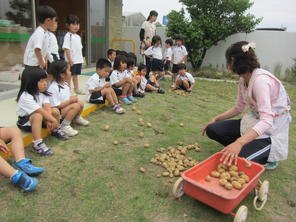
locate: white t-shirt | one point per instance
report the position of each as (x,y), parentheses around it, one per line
(187,76)
(27,105)
(129,73)
(143,82)
(59,93)
(168,54)
(116,76)
(53,47)
(155,52)
(179,52)
(72,41)
(38,40)
(150,30)
(95,81)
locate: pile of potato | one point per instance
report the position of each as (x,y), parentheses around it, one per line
(174,159)
(229,177)
(181,92)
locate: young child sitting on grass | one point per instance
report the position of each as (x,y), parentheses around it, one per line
(69,106)
(147,85)
(99,89)
(184,80)
(22,170)
(130,74)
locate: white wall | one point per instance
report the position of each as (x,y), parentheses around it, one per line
(273,47)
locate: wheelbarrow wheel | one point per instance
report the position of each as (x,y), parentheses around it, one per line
(263,190)
(178,188)
(241,215)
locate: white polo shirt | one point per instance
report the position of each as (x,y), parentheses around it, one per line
(72,41)
(116,76)
(155,52)
(94,82)
(59,93)
(168,54)
(27,105)
(112,63)
(129,73)
(187,76)
(38,40)
(179,52)
(53,47)
(150,30)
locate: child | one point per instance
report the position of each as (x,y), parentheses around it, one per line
(73,50)
(154,52)
(184,80)
(122,85)
(147,85)
(135,79)
(37,47)
(99,90)
(69,106)
(167,58)
(179,56)
(111,55)
(34,110)
(23,169)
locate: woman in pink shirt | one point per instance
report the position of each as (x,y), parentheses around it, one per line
(262,134)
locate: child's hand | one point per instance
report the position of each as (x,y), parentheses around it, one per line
(73,99)
(107,85)
(51,125)
(71,63)
(3,146)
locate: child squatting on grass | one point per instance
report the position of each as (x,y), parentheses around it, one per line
(262,134)
(184,80)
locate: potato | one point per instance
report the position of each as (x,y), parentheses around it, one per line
(146,145)
(248,164)
(115,142)
(141,134)
(138,112)
(225,175)
(241,181)
(165,174)
(233,173)
(246,178)
(140,120)
(228,186)
(141,123)
(221,165)
(233,168)
(158,175)
(142,170)
(181,124)
(149,125)
(222,182)
(215,174)
(236,185)
(106,128)
(221,170)
(134,108)
(208,178)
(177,173)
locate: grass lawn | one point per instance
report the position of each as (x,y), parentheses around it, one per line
(89,179)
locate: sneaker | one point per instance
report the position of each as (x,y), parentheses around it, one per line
(42,149)
(25,182)
(79,92)
(271,165)
(82,122)
(119,110)
(126,101)
(69,131)
(161,91)
(137,94)
(59,134)
(132,99)
(26,166)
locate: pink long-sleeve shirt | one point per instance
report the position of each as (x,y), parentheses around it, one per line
(265,91)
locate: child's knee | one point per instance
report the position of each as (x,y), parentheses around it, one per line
(55,111)
(36,117)
(81,104)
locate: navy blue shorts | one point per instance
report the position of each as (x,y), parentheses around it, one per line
(117,91)
(76,69)
(157,65)
(167,66)
(97,98)
(175,68)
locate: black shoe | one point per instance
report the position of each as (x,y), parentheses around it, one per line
(60,135)
(137,94)
(161,91)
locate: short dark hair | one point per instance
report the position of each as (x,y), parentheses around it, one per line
(133,56)
(29,82)
(119,59)
(155,39)
(57,68)
(130,62)
(182,66)
(180,38)
(239,61)
(110,51)
(169,42)
(142,67)
(103,63)
(72,19)
(44,12)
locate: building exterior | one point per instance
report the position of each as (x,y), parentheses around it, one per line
(100,22)
(133,19)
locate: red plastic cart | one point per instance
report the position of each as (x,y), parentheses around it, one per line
(192,182)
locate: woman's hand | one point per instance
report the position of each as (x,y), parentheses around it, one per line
(230,153)
(204,129)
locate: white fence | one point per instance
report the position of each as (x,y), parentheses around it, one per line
(275,49)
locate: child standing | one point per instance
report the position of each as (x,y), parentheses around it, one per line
(154,52)
(23,168)
(179,55)
(122,85)
(37,47)
(73,50)
(184,80)
(167,58)
(34,110)
(69,106)
(99,90)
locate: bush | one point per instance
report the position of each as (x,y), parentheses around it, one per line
(291,73)
(214,73)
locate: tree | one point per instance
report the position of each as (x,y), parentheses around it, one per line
(209,22)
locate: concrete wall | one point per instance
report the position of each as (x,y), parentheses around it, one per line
(115,20)
(275,49)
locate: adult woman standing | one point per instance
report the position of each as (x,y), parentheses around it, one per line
(262,134)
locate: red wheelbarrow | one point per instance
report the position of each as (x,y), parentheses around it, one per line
(192,182)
